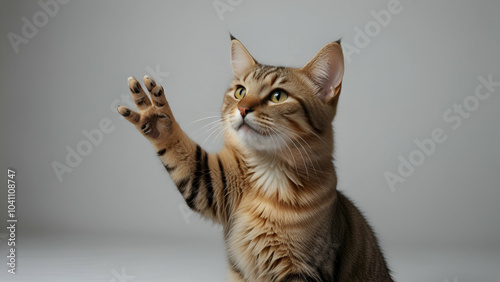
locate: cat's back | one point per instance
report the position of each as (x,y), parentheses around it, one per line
(359,257)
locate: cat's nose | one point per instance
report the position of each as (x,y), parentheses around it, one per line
(244,111)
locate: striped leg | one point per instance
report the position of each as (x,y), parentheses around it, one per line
(201,178)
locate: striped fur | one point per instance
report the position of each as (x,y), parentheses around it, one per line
(273,186)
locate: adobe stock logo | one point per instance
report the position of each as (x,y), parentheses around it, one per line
(363,36)
(40,18)
(428,146)
(222,7)
(74,158)
(94,137)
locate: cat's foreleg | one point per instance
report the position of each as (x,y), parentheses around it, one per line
(200,177)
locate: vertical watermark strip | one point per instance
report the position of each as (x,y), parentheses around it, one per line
(11,220)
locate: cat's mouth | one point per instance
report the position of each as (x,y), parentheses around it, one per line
(257,137)
(246,127)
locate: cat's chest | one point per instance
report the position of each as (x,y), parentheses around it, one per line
(263,231)
(272,178)
(263,234)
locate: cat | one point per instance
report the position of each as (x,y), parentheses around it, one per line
(273,185)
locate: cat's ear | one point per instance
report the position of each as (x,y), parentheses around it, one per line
(326,70)
(241,60)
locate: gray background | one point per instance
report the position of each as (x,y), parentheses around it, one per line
(118,212)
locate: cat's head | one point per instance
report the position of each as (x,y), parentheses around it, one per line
(272,109)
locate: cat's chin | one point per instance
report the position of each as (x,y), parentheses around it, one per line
(247,129)
(256,141)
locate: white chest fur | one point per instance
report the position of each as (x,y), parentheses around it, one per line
(271,175)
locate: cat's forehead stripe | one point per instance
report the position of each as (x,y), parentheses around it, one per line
(273,79)
(246,76)
(274,74)
(283,81)
(263,71)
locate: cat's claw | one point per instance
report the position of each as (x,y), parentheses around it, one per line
(149,82)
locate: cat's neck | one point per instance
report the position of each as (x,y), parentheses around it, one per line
(283,176)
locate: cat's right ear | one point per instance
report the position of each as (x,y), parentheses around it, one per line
(241,60)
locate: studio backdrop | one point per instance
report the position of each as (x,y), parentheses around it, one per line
(85,198)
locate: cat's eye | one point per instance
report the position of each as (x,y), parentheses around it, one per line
(240,93)
(278,96)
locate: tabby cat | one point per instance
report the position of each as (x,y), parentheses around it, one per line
(273,185)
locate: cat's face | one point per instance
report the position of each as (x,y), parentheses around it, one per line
(271,109)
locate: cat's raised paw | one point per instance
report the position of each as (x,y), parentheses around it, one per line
(154,117)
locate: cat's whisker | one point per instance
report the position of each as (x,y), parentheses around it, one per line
(308,157)
(310,160)
(302,156)
(219,135)
(298,149)
(288,147)
(314,133)
(310,149)
(214,130)
(305,150)
(275,144)
(208,125)
(266,127)
(211,128)
(217,112)
(208,130)
(293,142)
(205,118)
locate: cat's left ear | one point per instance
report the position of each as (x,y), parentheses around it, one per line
(241,60)
(326,70)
